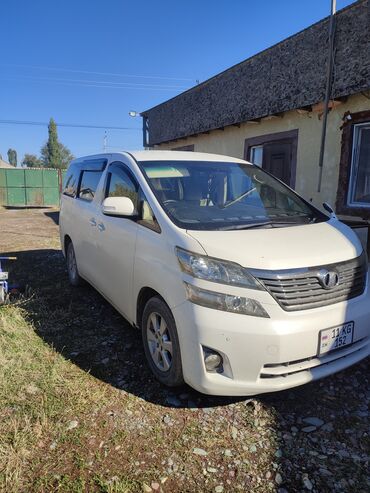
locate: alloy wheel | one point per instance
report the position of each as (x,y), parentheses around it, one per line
(72,264)
(159,341)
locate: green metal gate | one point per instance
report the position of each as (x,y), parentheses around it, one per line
(30,187)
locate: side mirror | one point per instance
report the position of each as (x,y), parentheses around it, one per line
(329,209)
(118,206)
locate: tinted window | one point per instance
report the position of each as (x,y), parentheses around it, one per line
(360,169)
(121,184)
(71,182)
(147,217)
(89,184)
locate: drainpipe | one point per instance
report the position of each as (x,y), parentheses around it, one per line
(145,131)
(329,80)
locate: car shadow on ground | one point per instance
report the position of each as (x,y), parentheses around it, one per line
(82,326)
(54,215)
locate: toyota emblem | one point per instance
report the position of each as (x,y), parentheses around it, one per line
(328,279)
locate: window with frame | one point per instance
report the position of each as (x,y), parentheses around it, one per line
(359,186)
(71,182)
(256,155)
(147,217)
(120,183)
(89,184)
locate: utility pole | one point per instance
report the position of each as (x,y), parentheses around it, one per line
(105,142)
(329,81)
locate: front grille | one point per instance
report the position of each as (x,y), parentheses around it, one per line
(302,289)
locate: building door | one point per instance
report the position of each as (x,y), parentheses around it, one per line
(277,160)
(276,153)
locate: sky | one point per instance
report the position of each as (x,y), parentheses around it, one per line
(90,62)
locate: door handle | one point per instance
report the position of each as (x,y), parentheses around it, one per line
(101,227)
(92,221)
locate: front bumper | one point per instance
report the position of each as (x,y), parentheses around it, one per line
(267,354)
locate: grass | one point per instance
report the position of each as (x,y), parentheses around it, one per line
(40,393)
(63,430)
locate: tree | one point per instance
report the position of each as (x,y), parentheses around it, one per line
(12,157)
(54,154)
(32,161)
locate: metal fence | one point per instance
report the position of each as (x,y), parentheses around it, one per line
(30,187)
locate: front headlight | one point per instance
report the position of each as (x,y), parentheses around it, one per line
(214,270)
(224,302)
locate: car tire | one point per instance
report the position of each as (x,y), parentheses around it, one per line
(2,295)
(72,269)
(161,343)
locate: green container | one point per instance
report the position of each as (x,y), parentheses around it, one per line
(2,178)
(30,187)
(16,196)
(15,178)
(50,178)
(33,178)
(3,196)
(34,196)
(51,196)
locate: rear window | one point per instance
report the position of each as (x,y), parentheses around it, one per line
(89,184)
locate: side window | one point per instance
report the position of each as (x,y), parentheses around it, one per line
(71,182)
(120,184)
(89,184)
(147,217)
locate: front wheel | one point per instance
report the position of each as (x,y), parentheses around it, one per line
(73,275)
(161,343)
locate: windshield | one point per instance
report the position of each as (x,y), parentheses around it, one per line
(225,196)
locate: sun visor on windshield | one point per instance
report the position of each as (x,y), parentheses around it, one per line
(167,172)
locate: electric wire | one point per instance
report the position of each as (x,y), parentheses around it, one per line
(95,83)
(56,69)
(72,125)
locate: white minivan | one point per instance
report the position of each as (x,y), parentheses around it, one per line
(238,285)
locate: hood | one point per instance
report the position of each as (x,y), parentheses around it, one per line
(290,247)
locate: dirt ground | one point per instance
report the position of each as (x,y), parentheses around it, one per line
(28,229)
(312,438)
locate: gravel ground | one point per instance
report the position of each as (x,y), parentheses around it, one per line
(312,438)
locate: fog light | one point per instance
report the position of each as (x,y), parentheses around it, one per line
(212,360)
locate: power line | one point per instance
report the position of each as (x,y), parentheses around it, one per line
(54,69)
(73,125)
(87,81)
(102,86)
(100,82)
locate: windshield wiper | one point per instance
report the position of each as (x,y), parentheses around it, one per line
(245,226)
(259,225)
(234,201)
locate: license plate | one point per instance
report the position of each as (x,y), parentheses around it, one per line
(3,276)
(336,337)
